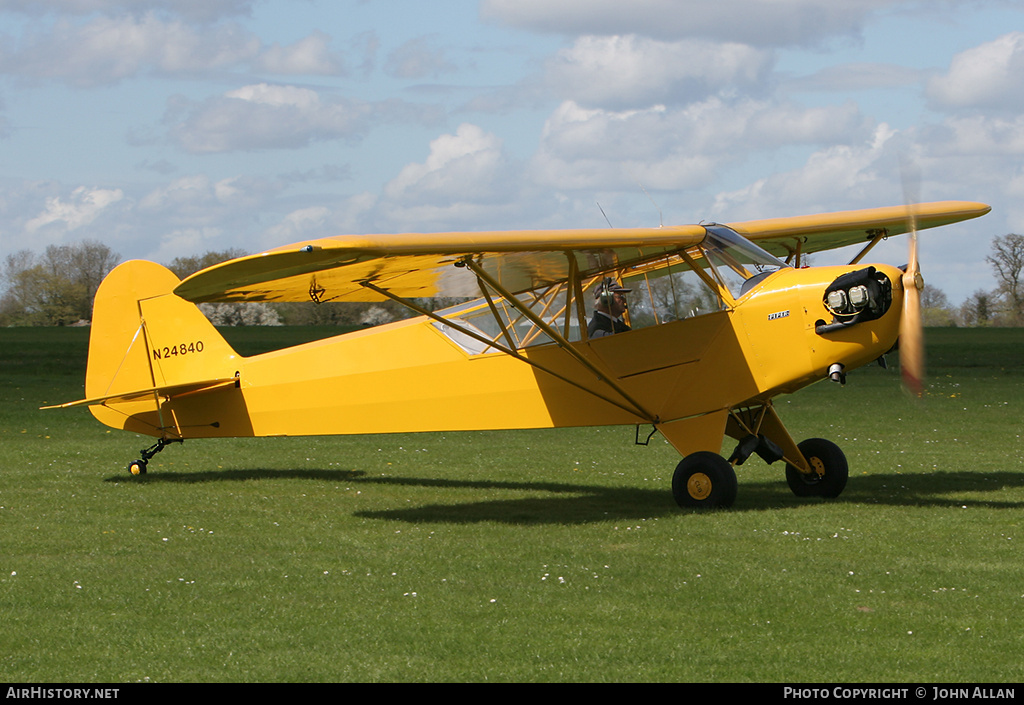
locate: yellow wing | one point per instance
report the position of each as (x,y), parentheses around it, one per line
(418,265)
(828,231)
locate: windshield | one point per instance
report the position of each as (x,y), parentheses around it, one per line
(738,263)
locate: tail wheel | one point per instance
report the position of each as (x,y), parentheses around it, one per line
(704,480)
(138,467)
(830,470)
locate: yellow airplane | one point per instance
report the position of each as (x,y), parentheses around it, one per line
(721,319)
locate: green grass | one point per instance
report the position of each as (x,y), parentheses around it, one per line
(514,556)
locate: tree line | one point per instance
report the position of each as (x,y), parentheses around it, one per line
(57,287)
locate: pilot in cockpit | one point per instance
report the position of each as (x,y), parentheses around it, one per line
(609,305)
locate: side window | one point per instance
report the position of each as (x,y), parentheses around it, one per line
(670,297)
(506,325)
(673,286)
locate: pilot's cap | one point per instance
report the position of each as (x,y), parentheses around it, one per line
(611,286)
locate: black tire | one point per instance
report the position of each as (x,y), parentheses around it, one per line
(828,461)
(137,467)
(704,480)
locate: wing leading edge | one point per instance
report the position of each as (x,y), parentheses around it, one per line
(421,265)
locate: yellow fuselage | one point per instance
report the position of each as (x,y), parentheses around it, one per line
(408,376)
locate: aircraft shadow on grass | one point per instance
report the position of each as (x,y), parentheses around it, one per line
(577,503)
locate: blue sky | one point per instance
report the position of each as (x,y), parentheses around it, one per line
(166,128)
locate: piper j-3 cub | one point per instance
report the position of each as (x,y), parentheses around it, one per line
(722,319)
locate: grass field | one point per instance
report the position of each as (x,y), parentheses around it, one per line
(514,556)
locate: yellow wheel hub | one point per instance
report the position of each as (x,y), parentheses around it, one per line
(699,485)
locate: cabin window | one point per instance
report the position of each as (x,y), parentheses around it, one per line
(706,278)
(730,267)
(504,324)
(671,294)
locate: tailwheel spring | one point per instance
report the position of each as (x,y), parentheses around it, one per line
(138,467)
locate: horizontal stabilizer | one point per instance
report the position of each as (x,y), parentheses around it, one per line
(176,390)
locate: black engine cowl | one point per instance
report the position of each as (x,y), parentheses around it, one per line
(863,295)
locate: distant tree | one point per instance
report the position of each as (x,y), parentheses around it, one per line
(1007,260)
(936,310)
(225,314)
(375,316)
(979,309)
(55,288)
(311,314)
(241,314)
(340,314)
(669,298)
(185,266)
(435,303)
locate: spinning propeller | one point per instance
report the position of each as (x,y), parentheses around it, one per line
(911,327)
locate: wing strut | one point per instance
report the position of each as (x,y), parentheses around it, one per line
(632,407)
(486,278)
(876,237)
(574,295)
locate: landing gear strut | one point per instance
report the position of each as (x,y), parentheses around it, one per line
(138,467)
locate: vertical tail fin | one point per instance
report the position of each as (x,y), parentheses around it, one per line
(146,347)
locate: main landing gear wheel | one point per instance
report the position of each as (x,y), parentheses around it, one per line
(704,480)
(137,467)
(829,464)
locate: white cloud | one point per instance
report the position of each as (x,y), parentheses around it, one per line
(278,96)
(308,56)
(984,77)
(978,135)
(466,179)
(461,166)
(838,176)
(198,198)
(679,148)
(105,50)
(600,149)
(186,242)
(82,207)
(266,117)
(179,193)
(301,224)
(620,71)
